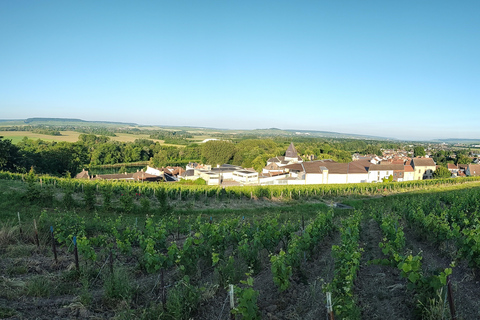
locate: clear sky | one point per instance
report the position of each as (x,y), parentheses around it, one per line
(402,69)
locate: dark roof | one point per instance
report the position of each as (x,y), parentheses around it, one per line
(188,173)
(291,151)
(423,162)
(115,176)
(140,175)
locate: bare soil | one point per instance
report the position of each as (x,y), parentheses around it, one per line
(382,294)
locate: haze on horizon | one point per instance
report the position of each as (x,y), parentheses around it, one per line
(405,70)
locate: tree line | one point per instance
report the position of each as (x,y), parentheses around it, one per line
(67,158)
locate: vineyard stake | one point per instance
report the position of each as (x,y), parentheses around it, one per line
(329,306)
(232,303)
(178,228)
(19,224)
(450,299)
(110,258)
(75,252)
(162,284)
(36,233)
(54,248)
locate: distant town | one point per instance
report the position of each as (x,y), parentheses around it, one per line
(291,169)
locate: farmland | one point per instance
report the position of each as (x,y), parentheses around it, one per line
(156,253)
(72,136)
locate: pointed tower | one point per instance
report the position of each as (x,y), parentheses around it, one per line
(291,155)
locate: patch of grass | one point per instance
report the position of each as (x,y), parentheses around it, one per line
(39,286)
(11,288)
(20,250)
(6,312)
(118,286)
(17,268)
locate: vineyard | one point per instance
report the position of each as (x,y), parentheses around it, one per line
(73,249)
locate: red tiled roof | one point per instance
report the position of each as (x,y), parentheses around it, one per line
(451,166)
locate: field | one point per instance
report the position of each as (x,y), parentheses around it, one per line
(72,136)
(163,254)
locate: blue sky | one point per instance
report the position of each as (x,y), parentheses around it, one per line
(402,69)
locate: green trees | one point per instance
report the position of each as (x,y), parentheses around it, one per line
(442,172)
(9,156)
(217,152)
(462,159)
(419,151)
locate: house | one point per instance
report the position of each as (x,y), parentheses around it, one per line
(194,165)
(408,173)
(423,168)
(452,168)
(328,172)
(291,157)
(168,173)
(83,175)
(137,176)
(245,176)
(381,172)
(273,167)
(473,170)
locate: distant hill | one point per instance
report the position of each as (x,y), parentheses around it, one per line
(461,141)
(62,122)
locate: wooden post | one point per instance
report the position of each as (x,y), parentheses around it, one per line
(232,303)
(450,299)
(178,229)
(111,261)
(162,284)
(75,252)
(303,224)
(19,224)
(36,233)
(329,306)
(54,248)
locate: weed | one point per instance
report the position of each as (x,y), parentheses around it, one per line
(85,295)
(17,268)
(118,285)
(434,308)
(6,312)
(183,300)
(39,286)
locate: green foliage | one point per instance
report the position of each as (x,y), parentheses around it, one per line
(118,286)
(347,262)
(39,286)
(200,182)
(442,172)
(419,151)
(246,300)
(217,152)
(89,196)
(126,202)
(183,300)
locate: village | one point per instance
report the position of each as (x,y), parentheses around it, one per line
(291,169)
